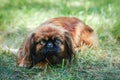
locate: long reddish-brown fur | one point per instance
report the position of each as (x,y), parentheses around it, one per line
(77,33)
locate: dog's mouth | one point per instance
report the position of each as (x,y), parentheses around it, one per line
(49,52)
(45,53)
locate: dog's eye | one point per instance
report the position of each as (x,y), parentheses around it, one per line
(42,42)
(58,41)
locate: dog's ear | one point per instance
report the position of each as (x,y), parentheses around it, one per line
(24,57)
(69,45)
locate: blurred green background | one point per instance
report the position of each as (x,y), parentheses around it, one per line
(19,17)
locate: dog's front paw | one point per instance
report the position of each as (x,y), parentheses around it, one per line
(26,65)
(42,65)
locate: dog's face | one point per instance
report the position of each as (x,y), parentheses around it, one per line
(49,46)
(49,41)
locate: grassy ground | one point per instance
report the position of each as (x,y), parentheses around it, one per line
(18,17)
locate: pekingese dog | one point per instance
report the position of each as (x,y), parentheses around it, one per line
(55,40)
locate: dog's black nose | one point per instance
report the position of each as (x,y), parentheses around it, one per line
(50,45)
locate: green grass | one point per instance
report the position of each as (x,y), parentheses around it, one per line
(18,17)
